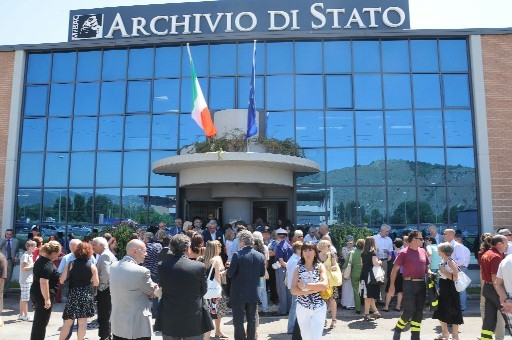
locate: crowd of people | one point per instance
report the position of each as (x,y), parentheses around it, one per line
(189,276)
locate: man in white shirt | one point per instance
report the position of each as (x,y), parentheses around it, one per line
(466,255)
(506,232)
(290,270)
(311,236)
(459,257)
(384,248)
(432,229)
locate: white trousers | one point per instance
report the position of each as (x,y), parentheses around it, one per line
(311,321)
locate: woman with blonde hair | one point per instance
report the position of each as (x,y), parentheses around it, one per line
(218,307)
(329,259)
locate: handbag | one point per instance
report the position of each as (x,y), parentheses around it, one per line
(348,268)
(214,290)
(327,293)
(379,274)
(64,291)
(334,276)
(462,282)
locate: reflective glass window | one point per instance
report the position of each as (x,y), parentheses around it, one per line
(33,134)
(318,156)
(399,130)
(63,67)
(430,165)
(223,60)
(35,100)
(310,128)
(340,166)
(84,133)
(135,169)
(401,166)
(453,55)
(28,206)
(245,52)
(432,201)
(165,131)
(279,93)
(458,127)
(367,91)
(339,127)
(308,57)
(371,209)
(243,92)
(56,170)
(222,93)
(54,205)
(80,205)
(397,91)
(133,204)
(429,128)
(424,56)
(190,132)
(31,170)
(395,56)
(82,169)
(166,95)
(86,99)
(162,201)
(110,134)
(370,166)
(201,57)
(112,97)
(462,204)
(186,92)
(57,138)
(403,207)
(426,89)
(309,92)
(311,205)
(136,132)
(369,128)
(161,180)
(114,64)
(344,202)
(280,55)
(139,94)
(339,91)
(366,56)
(461,166)
(108,169)
(167,61)
(107,202)
(456,90)
(61,100)
(280,125)
(89,65)
(141,63)
(38,68)
(337,56)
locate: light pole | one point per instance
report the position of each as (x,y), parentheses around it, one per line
(60,191)
(369,206)
(405,207)
(435,200)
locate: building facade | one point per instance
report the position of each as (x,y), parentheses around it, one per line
(408,127)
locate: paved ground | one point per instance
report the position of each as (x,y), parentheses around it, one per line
(350,325)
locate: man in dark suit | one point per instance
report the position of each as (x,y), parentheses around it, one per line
(165,253)
(245,270)
(9,246)
(212,233)
(181,313)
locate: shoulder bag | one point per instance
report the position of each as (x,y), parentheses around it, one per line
(334,276)
(64,292)
(348,268)
(214,288)
(462,282)
(379,274)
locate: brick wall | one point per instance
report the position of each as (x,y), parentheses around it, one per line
(497,63)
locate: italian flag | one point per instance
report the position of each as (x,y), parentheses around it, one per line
(200,112)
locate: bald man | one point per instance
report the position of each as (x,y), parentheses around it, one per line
(71,257)
(131,288)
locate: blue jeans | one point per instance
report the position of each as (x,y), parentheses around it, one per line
(262,294)
(463,295)
(292,316)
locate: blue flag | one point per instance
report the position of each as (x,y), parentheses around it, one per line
(252,128)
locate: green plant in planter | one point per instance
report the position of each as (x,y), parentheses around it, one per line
(341,231)
(123,234)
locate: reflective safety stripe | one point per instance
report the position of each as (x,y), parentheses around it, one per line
(415,329)
(415,324)
(487,334)
(431,285)
(401,323)
(435,303)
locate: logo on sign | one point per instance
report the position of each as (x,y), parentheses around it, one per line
(87,26)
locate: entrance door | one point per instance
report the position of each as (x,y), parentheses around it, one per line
(202,209)
(269,211)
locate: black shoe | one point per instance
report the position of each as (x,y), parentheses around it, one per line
(263,314)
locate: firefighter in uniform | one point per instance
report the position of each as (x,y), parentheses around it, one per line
(490,262)
(414,263)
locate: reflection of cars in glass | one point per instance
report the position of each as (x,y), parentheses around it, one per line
(22,229)
(49,230)
(80,230)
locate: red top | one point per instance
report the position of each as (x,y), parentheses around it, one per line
(489,263)
(414,263)
(479,256)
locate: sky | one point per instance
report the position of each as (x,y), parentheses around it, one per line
(37,21)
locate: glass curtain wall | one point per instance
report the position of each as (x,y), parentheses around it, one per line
(389,121)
